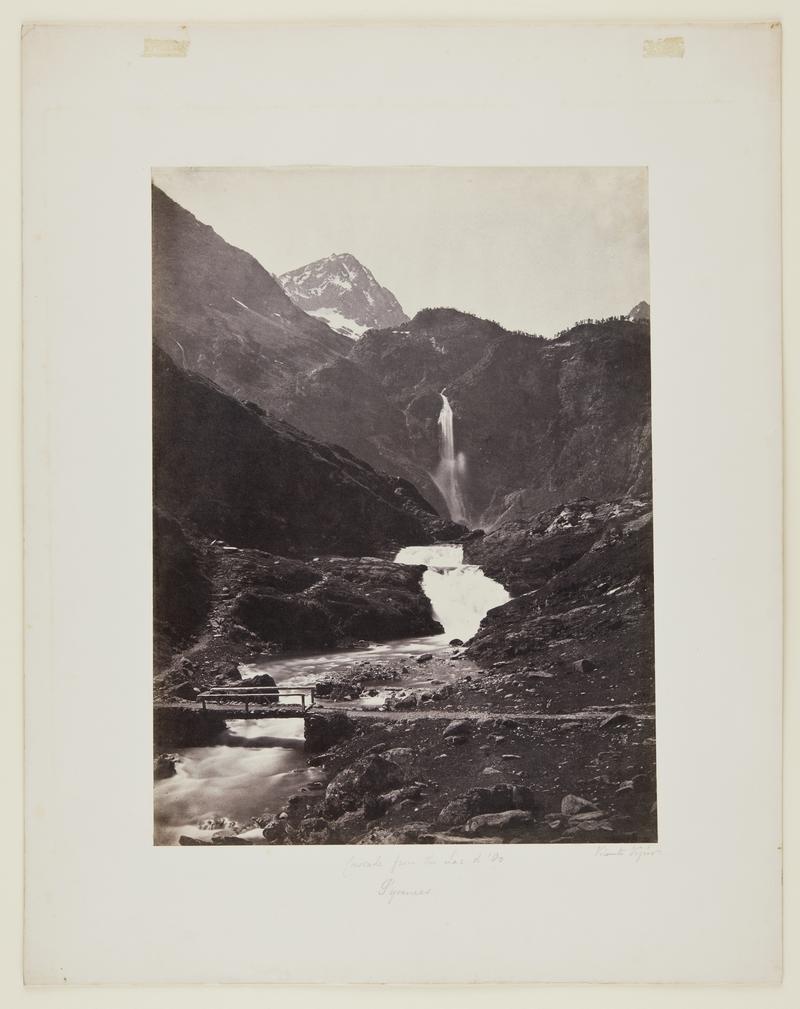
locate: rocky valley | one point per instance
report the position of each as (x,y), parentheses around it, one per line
(436,531)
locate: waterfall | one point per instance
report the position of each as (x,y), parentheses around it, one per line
(461,594)
(451,465)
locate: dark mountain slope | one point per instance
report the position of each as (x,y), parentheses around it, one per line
(227,471)
(218,312)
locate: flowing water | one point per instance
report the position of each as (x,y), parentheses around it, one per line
(256,766)
(452,466)
(258,763)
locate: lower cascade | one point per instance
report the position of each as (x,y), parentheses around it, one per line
(461,594)
(452,465)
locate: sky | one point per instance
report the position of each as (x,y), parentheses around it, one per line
(535,249)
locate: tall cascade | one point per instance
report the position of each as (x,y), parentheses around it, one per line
(451,466)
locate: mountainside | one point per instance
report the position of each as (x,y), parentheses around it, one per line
(218,312)
(538,421)
(344,293)
(228,471)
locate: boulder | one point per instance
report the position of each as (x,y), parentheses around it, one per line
(275,831)
(487,823)
(164,765)
(371,774)
(259,680)
(583,666)
(185,691)
(400,795)
(186,841)
(425,657)
(347,822)
(229,673)
(323,730)
(228,837)
(490,799)
(459,727)
(573,804)
(454,812)
(456,642)
(400,755)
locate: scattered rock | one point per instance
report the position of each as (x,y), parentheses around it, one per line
(218,823)
(406,834)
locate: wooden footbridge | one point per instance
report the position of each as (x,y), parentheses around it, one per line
(265,702)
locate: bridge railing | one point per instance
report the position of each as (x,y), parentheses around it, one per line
(253,695)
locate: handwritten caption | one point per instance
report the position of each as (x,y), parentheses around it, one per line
(389,870)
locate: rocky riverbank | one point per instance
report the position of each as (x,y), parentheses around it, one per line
(435,780)
(540,729)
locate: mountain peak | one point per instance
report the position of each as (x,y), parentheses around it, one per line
(639,312)
(341,291)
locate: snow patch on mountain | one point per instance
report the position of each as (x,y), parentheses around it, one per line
(347,327)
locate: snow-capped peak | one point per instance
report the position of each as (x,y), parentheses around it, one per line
(343,292)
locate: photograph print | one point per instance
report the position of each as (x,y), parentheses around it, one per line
(402,506)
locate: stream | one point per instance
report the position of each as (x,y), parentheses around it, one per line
(258,763)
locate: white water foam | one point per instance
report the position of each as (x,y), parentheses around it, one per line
(461,594)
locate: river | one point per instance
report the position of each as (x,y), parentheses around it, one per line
(258,763)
